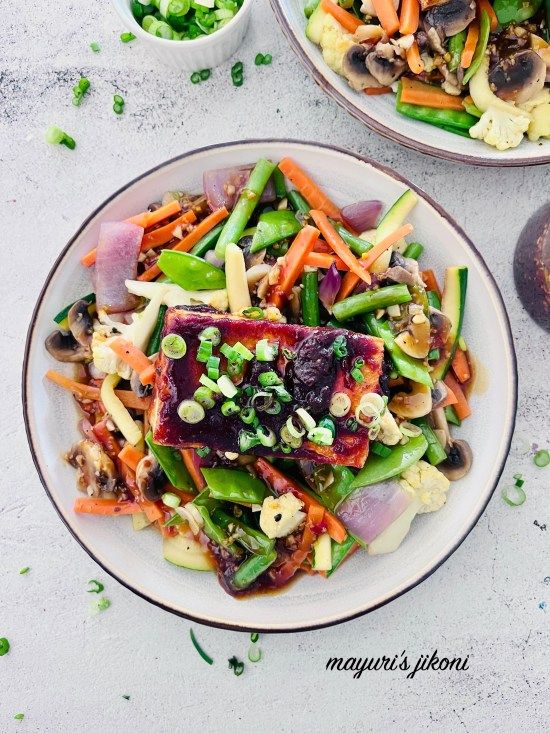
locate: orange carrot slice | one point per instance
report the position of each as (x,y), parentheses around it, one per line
(416,65)
(292,265)
(348,21)
(105,507)
(320,259)
(387,16)
(87,392)
(135,358)
(164,234)
(469,46)
(427,95)
(307,187)
(340,248)
(461,407)
(460,366)
(409,18)
(131,456)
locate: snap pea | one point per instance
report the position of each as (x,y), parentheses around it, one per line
(274,226)
(204,499)
(279,183)
(227,484)
(154,341)
(248,200)
(452,417)
(216,533)
(414,250)
(379,469)
(515,11)
(434,452)
(172,464)
(207,243)
(298,202)
(447,119)
(357,245)
(250,569)
(191,272)
(481,46)
(339,552)
(251,539)
(310,7)
(310,299)
(335,494)
(470,107)
(370,300)
(404,364)
(456,47)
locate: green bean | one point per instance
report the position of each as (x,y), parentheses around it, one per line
(154,341)
(357,245)
(250,569)
(434,452)
(298,202)
(370,300)
(279,183)
(208,242)
(310,299)
(456,46)
(481,46)
(414,250)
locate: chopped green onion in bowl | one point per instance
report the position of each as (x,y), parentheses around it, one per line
(183,20)
(542,458)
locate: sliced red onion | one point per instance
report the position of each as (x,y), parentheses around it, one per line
(367,512)
(329,287)
(116,261)
(210,256)
(223,186)
(363,215)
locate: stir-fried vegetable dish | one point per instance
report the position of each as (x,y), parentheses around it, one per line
(264,377)
(477,68)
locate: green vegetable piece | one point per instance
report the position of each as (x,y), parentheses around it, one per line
(470,108)
(24,571)
(191,272)
(357,245)
(274,226)
(102,604)
(414,250)
(236,665)
(481,46)
(370,300)
(208,242)
(379,469)
(56,136)
(298,202)
(4,646)
(208,659)
(251,569)
(339,489)
(19,716)
(311,315)
(227,484)
(195,78)
(515,11)
(154,343)
(279,183)
(172,464)
(434,452)
(456,47)
(127,37)
(259,60)
(96,586)
(452,417)
(62,315)
(340,551)
(449,119)
(541,458)
(215,532)
(251,539)
(96,48)
(310,7)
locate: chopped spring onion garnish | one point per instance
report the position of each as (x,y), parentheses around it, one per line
(352,425)
(229,408)
(204,352)
(191,412)
(126,697)
(243,352)
(266,351)
(281,393)
(213,367)
(357,375)
(206,382)
(379,449)
(202,452)
(263,59)
(274,409)
(254,653)
(230,353)
(171,500)
(542,458)
(340,404)
(519,482)
(285,448)
(288,353)
(305,418)
(118,104)
(236,665)
(292,441)
(235,368)
(212,334)
(127,37)
(248,415)
(359,362)
(253,313)
(513,495)
(269,379)
(237,74)
(254,637)
(266,436)
(340,347)
(103,604)
(79,90)
(96,48)
(227,387)
(204,397)
(173,346)
(294,431)
(96,587)
(4,646)
(56,136)
(433,355)
(409,430)
(328,423)
(195,78)
(198,647)
(19,716)
(205,74)
(24,571)
(321,436)
(247,441)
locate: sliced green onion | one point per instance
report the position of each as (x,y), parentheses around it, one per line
(206,382)
(202,452)
(56,136)
(357,374)
(409,430)
(235,368)
(96,586)
(247,441)
(191,412)
(340,347)
(211,333)
(127,37)
(513,495)
(359,362)
(171,500)
(173,346)
(243,352)
(340,404)
(96,48)
(352,425)
(102,604)
(542,458)
(259,59)
(253,313)
(433,355)
(274,409)
(118,109)
(321,436)
(519,482)
(328,423)
(266,436)
(293,441)
(305,418)
(295,432)
(284,448)
(213,367)
(254,653)
(126,697)
(281,393)
(269,379)
(195,78)
(226,386)
(236,665)
(19,716)
(117,99)
(379,449)
(24,571)
(248,415)
(204,352)
(254,637)
(266,351)
(229,408)
(288,353)
(199,648)
(205,74)
(268,58)
(4,646)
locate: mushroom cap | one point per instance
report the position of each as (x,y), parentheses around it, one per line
(451,17)
(518,77)
(64,347)
(81,323)
(96,471)
(459,460)
(416,403)
(150,478)
(355,69)
(384,63)
(415,340)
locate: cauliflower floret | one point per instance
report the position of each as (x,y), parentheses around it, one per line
(105,359)
(424,482)
(334,44)
(540,124)
(389,430)
(281,515)
(500,128)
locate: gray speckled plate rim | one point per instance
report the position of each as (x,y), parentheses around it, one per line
(217,622)
(383,130)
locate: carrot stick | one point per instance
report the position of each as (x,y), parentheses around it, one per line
(409,18)
(308,188)
(292,265)
(202,228)
(373,91)
(315,516)
(166,233)
(338,245)
(349,283)
(427,95)
(430,281)
(131,456)
(190,459)
(145,220)
(460,366)
(370,257)
(348,21)
(469,46)
(486,5)
(135,358)
(105,507)
(461,407)
(86,392)
(416,65)
(320,259)
(387,16)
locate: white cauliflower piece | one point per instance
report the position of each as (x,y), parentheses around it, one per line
(502,129)
(334,44)
(425,483)
(281,515)
(540,123)
(172,295)
(105,359)
(389,430)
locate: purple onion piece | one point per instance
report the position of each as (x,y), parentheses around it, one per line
(116,261)
(368,511)
(222,187)
(362,215)
(329,287)
(210,257)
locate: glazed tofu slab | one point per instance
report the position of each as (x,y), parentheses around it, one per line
(279,372)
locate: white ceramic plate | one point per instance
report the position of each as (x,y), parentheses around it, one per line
(363,583)
(378,112)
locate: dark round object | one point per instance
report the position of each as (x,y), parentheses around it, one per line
(532,267)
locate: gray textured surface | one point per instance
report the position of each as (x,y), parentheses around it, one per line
(67,669)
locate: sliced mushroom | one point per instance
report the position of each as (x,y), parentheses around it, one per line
(385,63)
(416,403)
(451,17)
(415,340)
(459,460)
(142,390)
(81,323)
(150,478)
(64,347)
(518,77)
(355,69)
(440,328)
(96,471)
(439,393)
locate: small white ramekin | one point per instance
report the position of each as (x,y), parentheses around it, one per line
(201,53)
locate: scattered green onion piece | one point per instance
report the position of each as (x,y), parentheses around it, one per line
(274,409)
(237,666)
(213,367)
(204,397)
(352,425)
(266,436)
(103,604)
(97,587)
(204,74)
(4,646)
(254,637)
(24,571)
(171,500)
(229,407)
(379,449)
(204,352)
(266,351)
(340,347)
(191,412)
(117,99)
(519,482)
(254,654)
(248,415)
(513,495)
(255,313)
(305,418)
(173,346)
(212,334)
(340,404)
(359,362)
(202,452)
(127,37)
(433,355)
(285,448)
(268,58)
(357,375)
(195,78)
(281,393)
(288,353)
(321,436)
(229,352)
(269,379)
(542,458)
(126,697)
(328,423)
(200,650)
(259,59)
(247,441)
(56,136)
(118,109)
(227,387)
(19,716)
(243,352)
(517,476)
(96,48)
(206,382)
